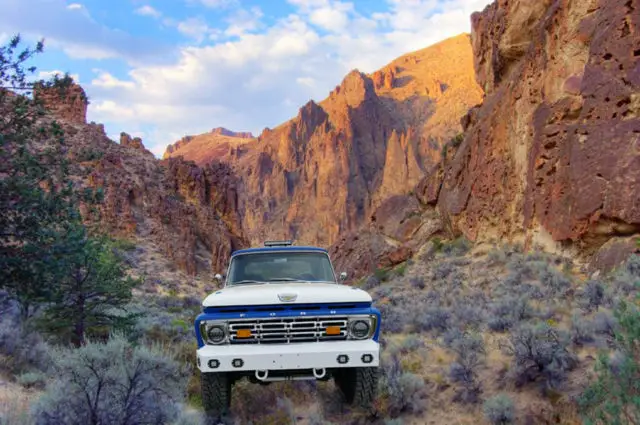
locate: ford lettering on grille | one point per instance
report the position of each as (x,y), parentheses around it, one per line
(287,330)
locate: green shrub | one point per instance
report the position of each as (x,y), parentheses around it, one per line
(32,379)
(499,410)
(401,391)
(497,256)
(88,154)
(457,140)
(24,348)
(382,274)
(458,246)
(614,398)
(124,244)
(437,244)
(401,269)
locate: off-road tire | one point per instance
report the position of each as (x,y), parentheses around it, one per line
(216,395)
(359,385)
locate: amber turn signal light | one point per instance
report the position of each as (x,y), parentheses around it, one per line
(333,330)
(244,333)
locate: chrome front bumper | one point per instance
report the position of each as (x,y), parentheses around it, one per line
(312,355)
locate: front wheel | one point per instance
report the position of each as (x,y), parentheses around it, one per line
(358,384)
(216,394)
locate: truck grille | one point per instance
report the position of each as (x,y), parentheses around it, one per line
(287,330)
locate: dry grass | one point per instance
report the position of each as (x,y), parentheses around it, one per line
(14,403)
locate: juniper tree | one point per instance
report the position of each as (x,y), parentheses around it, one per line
(48,257)
(37,201)
(92,296)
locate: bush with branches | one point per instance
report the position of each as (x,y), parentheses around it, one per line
(470,352)
(112,383)
(540,352)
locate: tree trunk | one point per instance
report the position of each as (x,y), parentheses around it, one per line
(78,330)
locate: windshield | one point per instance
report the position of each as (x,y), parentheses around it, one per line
(276,267)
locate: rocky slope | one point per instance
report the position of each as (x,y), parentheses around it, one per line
(552,156)
(326,171)
(188,213)
(207,147)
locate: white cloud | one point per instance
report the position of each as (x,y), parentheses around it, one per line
(45,75)
(305,5)
(195,28)
(84,51)
(306,81)
(216,4)
(147,10)
(332,17)
(244,21)
(260,79)
(108,81)
(73,29)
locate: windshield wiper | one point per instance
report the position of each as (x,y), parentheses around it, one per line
(286,279)
(247,281)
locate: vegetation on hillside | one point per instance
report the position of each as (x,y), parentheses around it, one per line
(61,281)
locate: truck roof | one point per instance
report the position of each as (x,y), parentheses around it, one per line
(278,248)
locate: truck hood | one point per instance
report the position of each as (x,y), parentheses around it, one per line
(291,293)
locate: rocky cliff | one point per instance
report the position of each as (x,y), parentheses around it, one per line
(552,156)
(188,212)
(324,172)
(67,101)
(207,147)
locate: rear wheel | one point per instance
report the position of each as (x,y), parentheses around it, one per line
(358,384)
(216,395)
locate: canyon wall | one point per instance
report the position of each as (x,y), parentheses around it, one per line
(189,212)
(552,156)
(323,173)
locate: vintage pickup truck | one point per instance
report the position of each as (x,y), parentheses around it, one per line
(282,314)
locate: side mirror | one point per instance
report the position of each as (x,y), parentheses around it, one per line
(218,277)
(343,275)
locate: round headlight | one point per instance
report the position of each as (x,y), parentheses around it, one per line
(216,334)
(360,328)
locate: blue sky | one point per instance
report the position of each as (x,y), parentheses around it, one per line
(162,69)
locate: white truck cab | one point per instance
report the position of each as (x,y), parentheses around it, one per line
(283,315)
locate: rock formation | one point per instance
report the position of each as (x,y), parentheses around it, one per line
(189,212)
(135,143)
(323,173)
(177,145)
(392,234)
(204,148)
(553,154)
(221,131)
(67,101)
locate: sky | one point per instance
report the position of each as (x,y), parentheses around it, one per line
(163,69)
